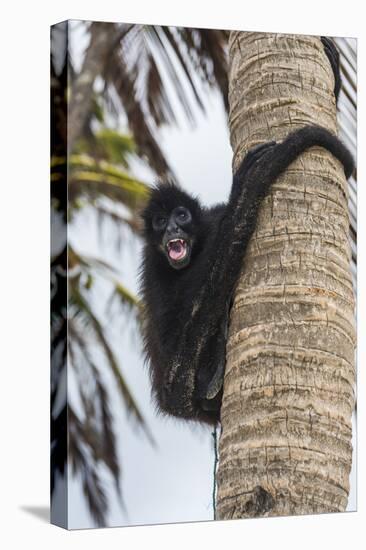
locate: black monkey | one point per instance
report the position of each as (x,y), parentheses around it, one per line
(191,262)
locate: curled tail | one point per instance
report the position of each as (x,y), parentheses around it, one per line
(299,141)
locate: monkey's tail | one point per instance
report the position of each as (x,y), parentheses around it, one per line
(310,136)
(332,54)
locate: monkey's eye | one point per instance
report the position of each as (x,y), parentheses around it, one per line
(183,215)
(159,222)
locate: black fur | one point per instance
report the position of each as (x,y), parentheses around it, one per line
(333,56)
(186,309)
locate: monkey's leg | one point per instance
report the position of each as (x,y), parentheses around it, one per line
(212,397)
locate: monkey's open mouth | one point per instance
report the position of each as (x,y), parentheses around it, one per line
(177,249)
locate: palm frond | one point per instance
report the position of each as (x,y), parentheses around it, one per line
(124,84)
(207,49)
(107,144)
(89,262)
(84,270)
(156,35)
(114,146)
(108,450)
(132,60)
(124,297)
(81,440)
(108,272)
(92,178)
(78,300)
(102,442)
(134,223)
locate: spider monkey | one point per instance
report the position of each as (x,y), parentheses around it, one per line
(192,259)
(191,262)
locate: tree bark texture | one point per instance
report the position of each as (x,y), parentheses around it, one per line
(285,446)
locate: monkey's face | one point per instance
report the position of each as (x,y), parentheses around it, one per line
(175,230)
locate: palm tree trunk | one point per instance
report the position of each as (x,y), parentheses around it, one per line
(103,38)
(285,446)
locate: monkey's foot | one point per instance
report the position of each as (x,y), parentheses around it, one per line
(217,381)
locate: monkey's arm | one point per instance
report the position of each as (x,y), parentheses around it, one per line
(259,169)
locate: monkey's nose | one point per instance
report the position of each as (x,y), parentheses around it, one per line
(172,229)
